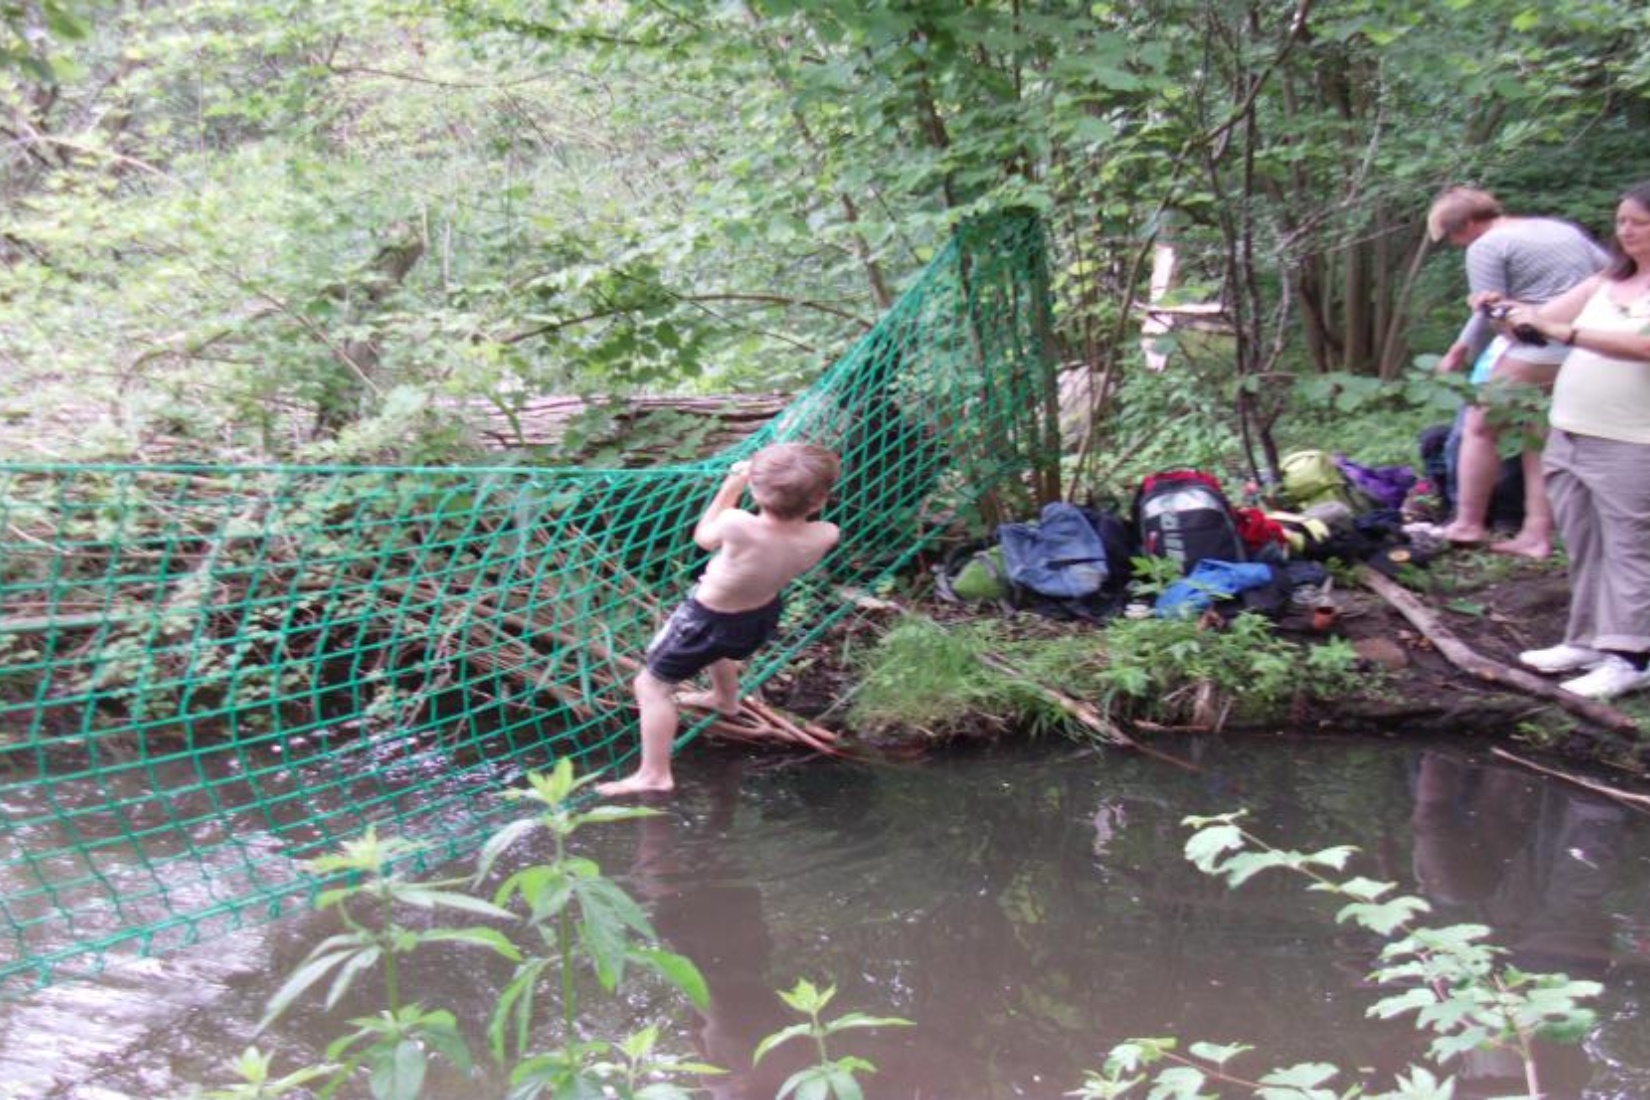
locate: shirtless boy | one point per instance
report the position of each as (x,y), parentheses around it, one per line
(735,607)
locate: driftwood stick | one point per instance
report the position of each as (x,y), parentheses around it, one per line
(1637,801)
(1086,714)
(1467,659)
(815,737)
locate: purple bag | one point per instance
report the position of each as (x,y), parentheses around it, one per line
(1385,486)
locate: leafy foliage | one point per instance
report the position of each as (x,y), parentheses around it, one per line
(943,678)
(1456,985)
(575,916)
(344,231)
(829,1078)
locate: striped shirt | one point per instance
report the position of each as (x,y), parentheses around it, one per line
(1528,260)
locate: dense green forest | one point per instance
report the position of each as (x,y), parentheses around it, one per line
(291,230)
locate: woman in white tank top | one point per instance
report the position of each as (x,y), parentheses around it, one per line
(1597,462)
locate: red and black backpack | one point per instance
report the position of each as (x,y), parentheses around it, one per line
(1184,515)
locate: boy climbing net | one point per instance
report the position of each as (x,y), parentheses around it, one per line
(735,607)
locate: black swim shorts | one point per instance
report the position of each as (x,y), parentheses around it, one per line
(694,637)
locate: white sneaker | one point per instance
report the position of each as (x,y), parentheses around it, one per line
(1614,676)
(1561,658)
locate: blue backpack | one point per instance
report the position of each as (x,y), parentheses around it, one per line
(1060,555)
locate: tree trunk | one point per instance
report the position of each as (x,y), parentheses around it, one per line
(342,398)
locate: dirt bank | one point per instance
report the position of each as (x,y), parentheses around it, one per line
(1492,606)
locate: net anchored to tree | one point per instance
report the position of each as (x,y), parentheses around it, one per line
(209,675)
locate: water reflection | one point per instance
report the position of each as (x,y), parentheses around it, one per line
(1534,862)
(704,905)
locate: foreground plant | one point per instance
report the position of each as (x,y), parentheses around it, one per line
(580,920)
(253,1068)
(1460,988)
(395,1044)
(827,1077)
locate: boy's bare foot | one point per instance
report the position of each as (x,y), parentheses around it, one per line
(1528,547)
(636,784)
(706,700)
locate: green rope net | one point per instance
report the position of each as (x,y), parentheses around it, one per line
(209,675)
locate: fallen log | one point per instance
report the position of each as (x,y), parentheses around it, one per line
(1467,659)
(718,420)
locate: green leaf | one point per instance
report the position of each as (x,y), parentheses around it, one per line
(305,976)
(843,1084)
(859,1019)
(428,898)
(604,815)
(1386,917)
(500,841)
(400,1074)
(1206,846)
(664,1090)
(812,1083)
(783,1035)
(440,1030)
(807,998)
(1137,1054)
(490,938)
(361,962)
(1219,1054)
(607,914)
(1410,1000)
(679,971)
(1365,889)
(63,22)
(1302,1075)
(1179,1083)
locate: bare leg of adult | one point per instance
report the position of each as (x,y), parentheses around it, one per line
(1475,473)
(659,722)
(1535,536)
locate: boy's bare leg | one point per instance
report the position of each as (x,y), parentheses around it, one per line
(658,707)
(723,696)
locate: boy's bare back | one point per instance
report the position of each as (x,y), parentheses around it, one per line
(758,554)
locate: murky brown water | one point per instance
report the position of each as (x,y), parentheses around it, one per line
(1026,908)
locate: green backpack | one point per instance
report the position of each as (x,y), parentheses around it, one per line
(1311,477)
(983,576)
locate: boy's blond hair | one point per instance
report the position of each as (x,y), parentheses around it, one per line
(790,480)
(1455,208)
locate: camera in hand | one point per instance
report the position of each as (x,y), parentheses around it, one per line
(1524,334)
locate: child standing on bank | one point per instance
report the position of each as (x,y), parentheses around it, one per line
(735,607)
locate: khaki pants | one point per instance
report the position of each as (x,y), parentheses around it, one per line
(1600,491)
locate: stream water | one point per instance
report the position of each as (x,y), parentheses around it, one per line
(1025,907)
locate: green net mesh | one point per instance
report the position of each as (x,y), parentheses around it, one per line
(211,674)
